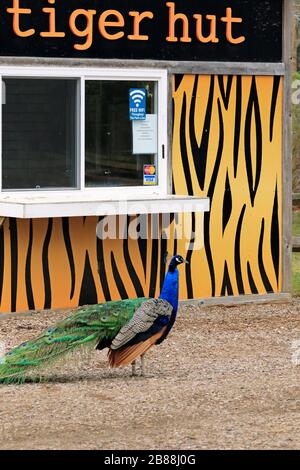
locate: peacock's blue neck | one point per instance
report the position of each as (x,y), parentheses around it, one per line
(170,289)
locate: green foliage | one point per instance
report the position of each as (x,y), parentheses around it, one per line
(296,256)
(296,76)
(85,328)
(296,143)
(296,273)
(296,223)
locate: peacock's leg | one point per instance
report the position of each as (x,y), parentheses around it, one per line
(133,373)
(142,365)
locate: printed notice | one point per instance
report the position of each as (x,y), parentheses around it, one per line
(145,135)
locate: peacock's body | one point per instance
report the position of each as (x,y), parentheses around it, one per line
(127,327)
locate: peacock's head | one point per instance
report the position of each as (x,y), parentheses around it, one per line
(176,261)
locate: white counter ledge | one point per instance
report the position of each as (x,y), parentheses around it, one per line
(25,206)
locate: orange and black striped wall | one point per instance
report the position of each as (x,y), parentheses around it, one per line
(227,145)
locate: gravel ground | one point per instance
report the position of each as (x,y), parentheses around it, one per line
(224,379)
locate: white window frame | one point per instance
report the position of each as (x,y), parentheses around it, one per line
(82,74)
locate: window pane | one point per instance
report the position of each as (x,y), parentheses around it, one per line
(109,151)
(39,129)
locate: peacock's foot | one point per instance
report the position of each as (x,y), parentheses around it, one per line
(133,372)
(143,365)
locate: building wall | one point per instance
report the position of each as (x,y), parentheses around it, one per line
(227,145)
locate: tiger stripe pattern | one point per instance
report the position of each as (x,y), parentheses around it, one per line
(227,145)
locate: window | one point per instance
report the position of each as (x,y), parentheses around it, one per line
(66,129)
(38,134)
(109,151)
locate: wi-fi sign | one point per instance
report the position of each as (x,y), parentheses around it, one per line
(137,104)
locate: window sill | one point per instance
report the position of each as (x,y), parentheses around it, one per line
(76,205)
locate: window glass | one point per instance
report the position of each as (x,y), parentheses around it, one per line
(119,151)
(39,133)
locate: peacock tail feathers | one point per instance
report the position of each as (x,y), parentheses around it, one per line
(83,329)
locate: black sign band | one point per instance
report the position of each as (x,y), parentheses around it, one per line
(194,30)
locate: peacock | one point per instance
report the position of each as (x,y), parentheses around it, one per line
(128,328)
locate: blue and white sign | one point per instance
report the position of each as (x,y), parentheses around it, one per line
(137,104)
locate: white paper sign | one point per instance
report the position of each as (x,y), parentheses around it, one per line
(144,135)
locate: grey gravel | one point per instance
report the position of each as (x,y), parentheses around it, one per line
(226,378)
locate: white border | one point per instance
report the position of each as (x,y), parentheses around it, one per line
(32,208)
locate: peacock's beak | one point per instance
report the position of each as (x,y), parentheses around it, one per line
(186,261)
